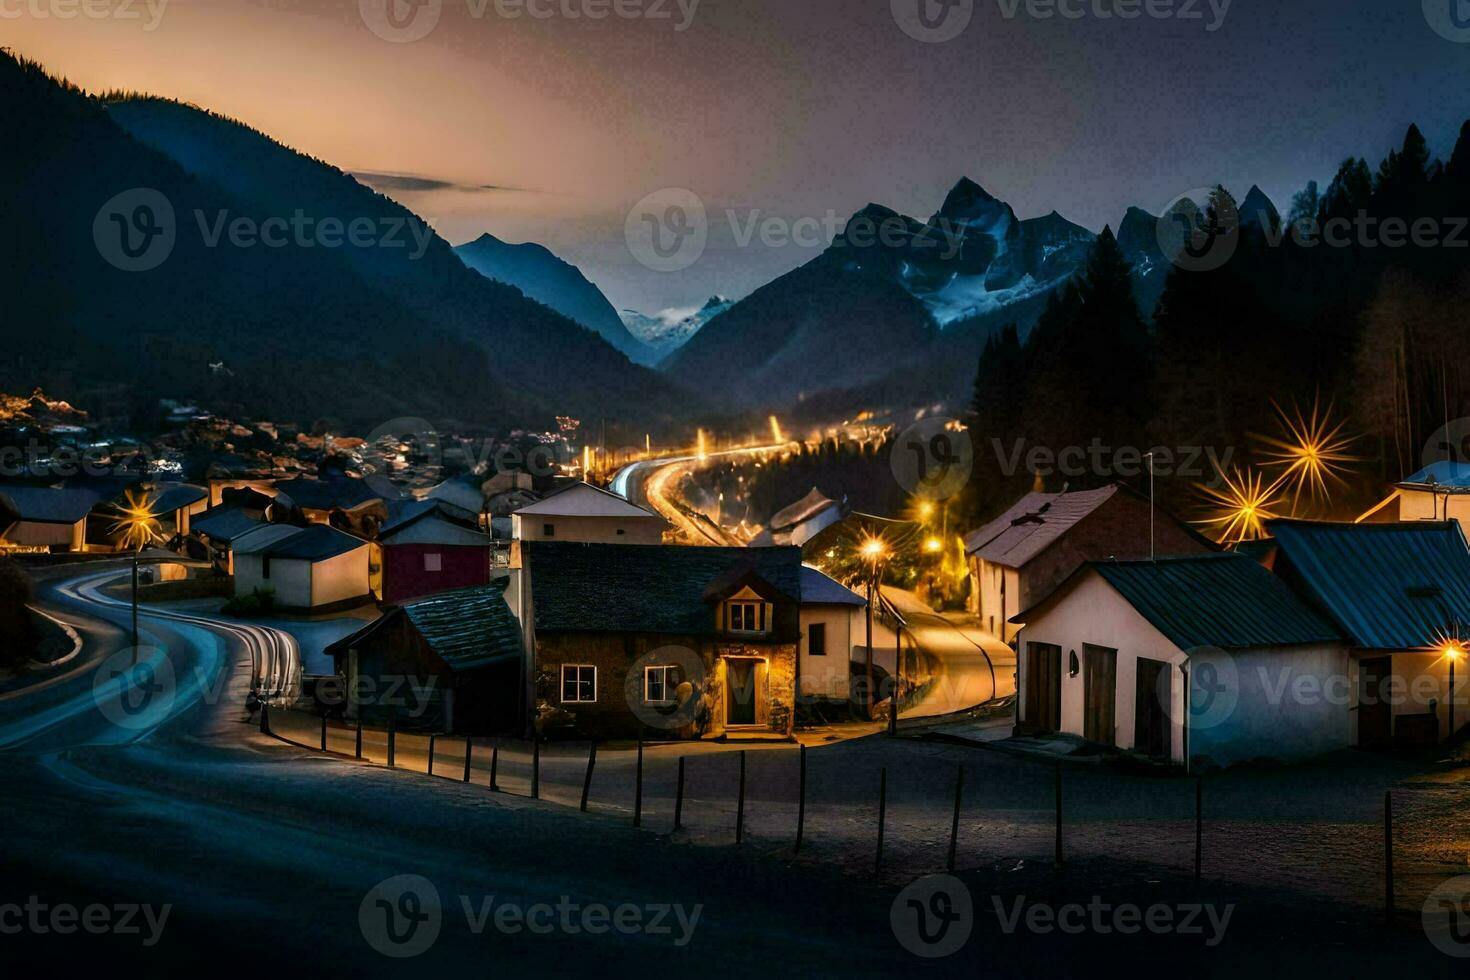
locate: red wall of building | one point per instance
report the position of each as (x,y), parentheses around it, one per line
(404,577)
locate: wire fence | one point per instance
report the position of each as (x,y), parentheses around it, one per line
(921,807)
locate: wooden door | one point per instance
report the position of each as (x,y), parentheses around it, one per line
(1043,687)
(740,684)
(1375,714)
(1152,693)
(1100,698)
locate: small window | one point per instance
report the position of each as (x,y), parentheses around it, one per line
(548,530)
(621,531)
(746,617)
(578,684)
(265,567)
(816,639)
(433,563)
(659,684)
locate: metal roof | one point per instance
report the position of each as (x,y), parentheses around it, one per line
(45,505)
(1387,586)
(817,588)
(315,543)
(224,523)
(1033,524)
(1221,600)
(177,496)
(585,500)
(1446,476)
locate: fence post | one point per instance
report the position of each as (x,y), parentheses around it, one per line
(882,815)
(800,800)
(679,798)
(392,741)
(1199,827)
(954,824)
(469,747)
(357,747)
(535,765)
(433,740)
(740,803)
(324,733)
(587,779)
(638,787)
(494,763)
(1388,897)
(265,718)
(1059,814)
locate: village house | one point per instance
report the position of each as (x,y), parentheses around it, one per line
(1181,659)
(176,505)
(448,663)
(1438,492)
(424,549)
(833,631)
(342,501)
(680,642)
(1400,594)
(316,567)
(1025,553)
(802,521)
(44,519)
(584,513)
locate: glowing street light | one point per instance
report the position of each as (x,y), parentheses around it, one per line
(873,551)
(1453,650)
(139,526)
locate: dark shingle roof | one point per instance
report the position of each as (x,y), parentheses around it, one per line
(224,524)
(1387,586)
(45,505)
(333,491)
(1227,601)
(819,589)
(644,588)
(315,543)
(468,628)
(177,496)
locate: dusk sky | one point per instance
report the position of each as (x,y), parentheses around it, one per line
(551,129)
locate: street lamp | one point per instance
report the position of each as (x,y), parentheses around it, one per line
(139,526)
(873,550)
(1453,651)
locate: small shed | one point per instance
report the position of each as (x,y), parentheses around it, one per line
(44,518)
(424,551)
(449,663)
(313,567)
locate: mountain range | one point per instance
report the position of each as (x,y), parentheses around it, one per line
(259,302)
(668,330)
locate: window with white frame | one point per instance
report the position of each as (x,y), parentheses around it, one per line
(578,683)
(659,684)
(742,616)
(433,563)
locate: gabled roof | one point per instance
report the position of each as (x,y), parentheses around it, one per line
(466,628)
(803,510)
(224,523)
(425,522)
(1445,476)
(315,543)
(645,588)
(334,491)
(817,589)
(176,497)
(45,505)
(585,500)
(1033,524)
(1220,600)
(1386,586)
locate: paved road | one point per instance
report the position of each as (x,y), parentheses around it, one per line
(974,666)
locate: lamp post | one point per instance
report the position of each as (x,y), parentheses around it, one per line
(1453,652)
(139,526)
(873,550)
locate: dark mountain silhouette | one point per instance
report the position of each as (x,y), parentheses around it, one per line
(312,322)
(544,277)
